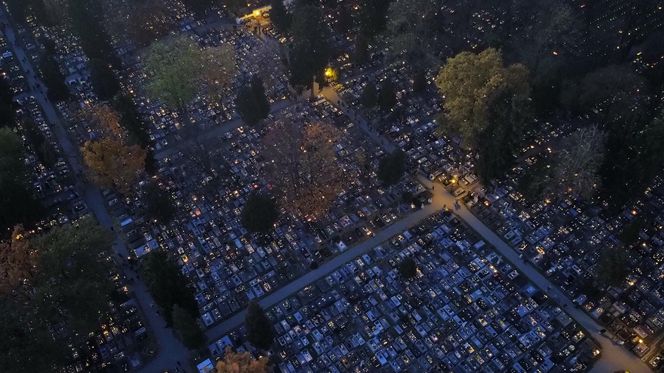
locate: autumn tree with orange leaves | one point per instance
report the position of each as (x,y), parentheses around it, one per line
(302,164)
(17,261)
(241,362)
(112,162)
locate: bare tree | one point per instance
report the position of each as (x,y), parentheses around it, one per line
(302,164)
(578,162)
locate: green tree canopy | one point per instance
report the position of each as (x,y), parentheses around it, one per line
(103,80)
(260,212)
(373,16)
(174,68)
(252,103)
(507,113)
(17,203)
(392,167)
(369,97)
(260,332)
(53,79)
(279,16)
(414,30)
(468,82)
(72,283)
(408,268)
(309,50)
(387,96)
(167,285)
(578,162)
(159,204)
(612,267)
(187,329)
(7,107)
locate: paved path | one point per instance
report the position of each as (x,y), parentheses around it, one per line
(170,349)
(212,133)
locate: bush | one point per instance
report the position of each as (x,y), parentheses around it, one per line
(408,268)
(259,213)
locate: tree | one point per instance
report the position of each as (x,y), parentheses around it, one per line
(302,164)
(631,231)
(419,81)
(414,30)
(167,285)
(53,79)
(279,16)
(86,22)
(135,128)
(468,81)
(159,204)
(252,103)
(27,344)
(369,98)
(103,81)
(260,332)
(187,329)
(612,267)
(241,362)
(613,93)
(387,96)
(309,51)
(17,203)
(578,162)
(259,214)
(18,260)
(131,121)
(7,107)
(619,98)
(344,20)
(174,69)
(361,50)
(45,152)
(148,20)
(373,16)
(392,167)
(508,112)
(218,71)
(199,7)
(408,268)
(111,161)
(72,282)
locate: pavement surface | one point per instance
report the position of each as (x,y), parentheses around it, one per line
(170,349)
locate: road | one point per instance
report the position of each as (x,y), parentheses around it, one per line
(170,349)
(213,133)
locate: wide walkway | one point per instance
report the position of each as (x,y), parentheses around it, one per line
(170,349)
